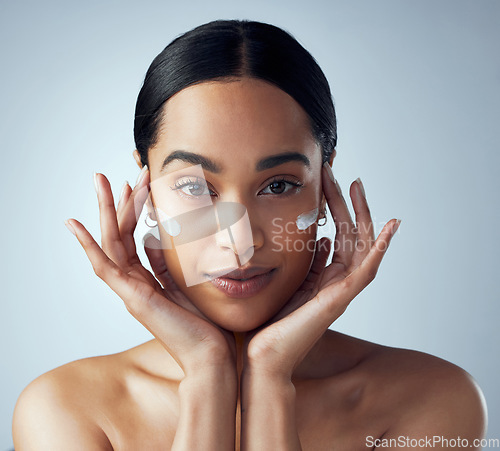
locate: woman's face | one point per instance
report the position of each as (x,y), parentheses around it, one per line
(233,201)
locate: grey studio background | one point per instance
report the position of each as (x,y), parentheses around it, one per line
(416,85)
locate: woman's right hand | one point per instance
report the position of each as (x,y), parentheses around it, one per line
(180,327)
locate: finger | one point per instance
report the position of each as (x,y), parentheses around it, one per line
(323,247)
(127,238)
(111,240)
(345,237)
(159,267)
(365,236)
(164,319)
(124,196)
(104,267)
(307,324)
(130,212)
(304,292)
(338,295)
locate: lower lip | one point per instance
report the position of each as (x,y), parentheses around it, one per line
(243,288)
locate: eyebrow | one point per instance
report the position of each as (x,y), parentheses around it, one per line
(276,160)
(210,165)
(193,158)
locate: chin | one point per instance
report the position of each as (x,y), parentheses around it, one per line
(242,313)
(241,322)
(240,317)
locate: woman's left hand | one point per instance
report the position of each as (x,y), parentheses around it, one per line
(278,347)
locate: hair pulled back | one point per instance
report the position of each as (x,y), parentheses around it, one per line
(232,49)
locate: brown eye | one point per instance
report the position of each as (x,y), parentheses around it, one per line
(282,187)
(191,189)
(277,187)
(195,189)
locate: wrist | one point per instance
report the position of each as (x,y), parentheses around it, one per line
(255,376)
(210,364)
(206,376)
(268,401)
(202,390)
(268,362)
(208,402)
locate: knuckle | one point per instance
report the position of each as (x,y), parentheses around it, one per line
(362,246)
(116,272)
(382,246)
(98,270)
(134,308)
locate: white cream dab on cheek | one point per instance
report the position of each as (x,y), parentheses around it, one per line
(171,226)
(305,220)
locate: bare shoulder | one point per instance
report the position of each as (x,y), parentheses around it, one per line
(361,395)
(60,409)
(418,394)
(123,400)
(426,379)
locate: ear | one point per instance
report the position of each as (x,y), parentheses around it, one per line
(137,158)
(334,154)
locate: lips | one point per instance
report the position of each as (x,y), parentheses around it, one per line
(247,273)
(242,283)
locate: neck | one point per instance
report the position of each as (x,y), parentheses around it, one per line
(239,339)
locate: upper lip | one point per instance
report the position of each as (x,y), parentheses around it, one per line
(242,273)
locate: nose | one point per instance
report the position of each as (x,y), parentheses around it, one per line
(236,231)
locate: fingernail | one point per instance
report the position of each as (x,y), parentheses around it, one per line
(123,190)
(395,227)
(70,227)
(360,184)
(329,171)
(141,174)
(95,183)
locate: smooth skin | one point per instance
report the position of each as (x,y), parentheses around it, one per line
(269,374)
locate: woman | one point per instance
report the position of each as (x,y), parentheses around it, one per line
(235,132)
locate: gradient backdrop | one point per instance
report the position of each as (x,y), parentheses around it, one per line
(417,90)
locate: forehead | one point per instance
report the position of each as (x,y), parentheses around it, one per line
(248,118)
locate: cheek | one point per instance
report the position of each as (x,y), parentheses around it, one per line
(285,237)
(280,243)
(183,263)
(293,226)
(174,267)
(296,251)
(292,247)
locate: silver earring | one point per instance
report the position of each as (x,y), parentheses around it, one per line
(148,215)
(324,217)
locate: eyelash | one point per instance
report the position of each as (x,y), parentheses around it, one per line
(279,179)
(188,182)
